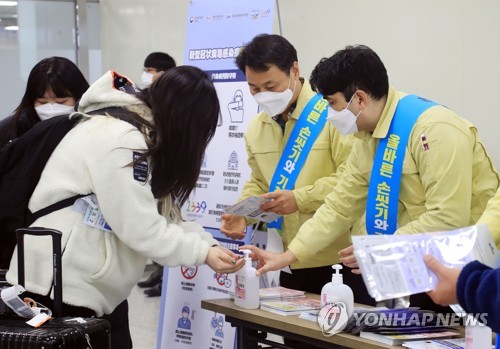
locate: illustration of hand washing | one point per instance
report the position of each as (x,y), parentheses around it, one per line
(235,107)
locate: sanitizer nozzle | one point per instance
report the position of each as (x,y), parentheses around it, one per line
(246,255)
(337,276)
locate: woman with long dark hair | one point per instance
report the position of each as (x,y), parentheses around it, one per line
(54,87)
(139,154)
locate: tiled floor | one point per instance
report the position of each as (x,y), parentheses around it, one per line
(143,316)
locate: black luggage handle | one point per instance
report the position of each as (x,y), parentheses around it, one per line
(56,261)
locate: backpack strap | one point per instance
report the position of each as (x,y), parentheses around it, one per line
(117,112)
(52,208)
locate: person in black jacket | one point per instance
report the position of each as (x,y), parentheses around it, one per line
(54,87)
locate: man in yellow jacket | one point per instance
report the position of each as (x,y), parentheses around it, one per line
(272,71)
(446,179)
(491,217)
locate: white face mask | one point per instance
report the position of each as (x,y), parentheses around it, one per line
(275,103)
(146,79)
(344,120)
(49,110)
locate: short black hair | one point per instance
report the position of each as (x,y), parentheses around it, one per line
(355,67)
(160,61)
(265,50)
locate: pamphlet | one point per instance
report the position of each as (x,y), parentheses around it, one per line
(398,339)
(457,343)
(291,306)
(311,315)
(280,293)
(250,208)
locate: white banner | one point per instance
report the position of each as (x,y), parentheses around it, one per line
(216,31)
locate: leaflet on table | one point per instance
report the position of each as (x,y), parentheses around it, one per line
(398,339)
(250,208)
(277,293)
(280,292)
(458,343)
(291,306)
(393,266)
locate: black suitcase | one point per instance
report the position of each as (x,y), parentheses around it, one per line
(60,332)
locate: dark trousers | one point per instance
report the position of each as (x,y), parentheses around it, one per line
(118,319)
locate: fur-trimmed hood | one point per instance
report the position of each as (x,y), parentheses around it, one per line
(114,90)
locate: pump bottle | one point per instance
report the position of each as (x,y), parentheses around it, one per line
(335,291)
(246,293)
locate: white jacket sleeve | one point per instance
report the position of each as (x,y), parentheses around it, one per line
(190,226)
(127,202)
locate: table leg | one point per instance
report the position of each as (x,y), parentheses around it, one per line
(245,338)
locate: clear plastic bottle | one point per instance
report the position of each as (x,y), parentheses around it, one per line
(336,291)
(246,293)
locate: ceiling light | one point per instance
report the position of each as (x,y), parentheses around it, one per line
(12,27)
(8,3)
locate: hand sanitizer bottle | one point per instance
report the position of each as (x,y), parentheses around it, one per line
(246,293)
(335,291)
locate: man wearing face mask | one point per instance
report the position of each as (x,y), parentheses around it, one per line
(155,64)
(273,139)
(415,166)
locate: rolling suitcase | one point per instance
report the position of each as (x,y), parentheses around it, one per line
(60,332)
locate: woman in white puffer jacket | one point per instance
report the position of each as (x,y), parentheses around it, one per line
(135,151)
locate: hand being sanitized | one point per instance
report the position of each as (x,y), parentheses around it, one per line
(246,293)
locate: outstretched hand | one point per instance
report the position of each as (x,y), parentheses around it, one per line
(348,258)
(282,202)
(233,226)
(222,260)
(269,261)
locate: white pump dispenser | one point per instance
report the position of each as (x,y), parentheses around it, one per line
(246,293)
(335,291)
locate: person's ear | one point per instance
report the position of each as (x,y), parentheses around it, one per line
(158,74)
(295,70)
(362,98)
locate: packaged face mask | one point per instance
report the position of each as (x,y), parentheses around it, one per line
(393,266)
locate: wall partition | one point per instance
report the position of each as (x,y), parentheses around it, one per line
(31,30)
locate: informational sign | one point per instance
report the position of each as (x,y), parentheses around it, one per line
(216,32)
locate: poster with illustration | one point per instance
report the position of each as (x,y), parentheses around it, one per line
(216,32)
